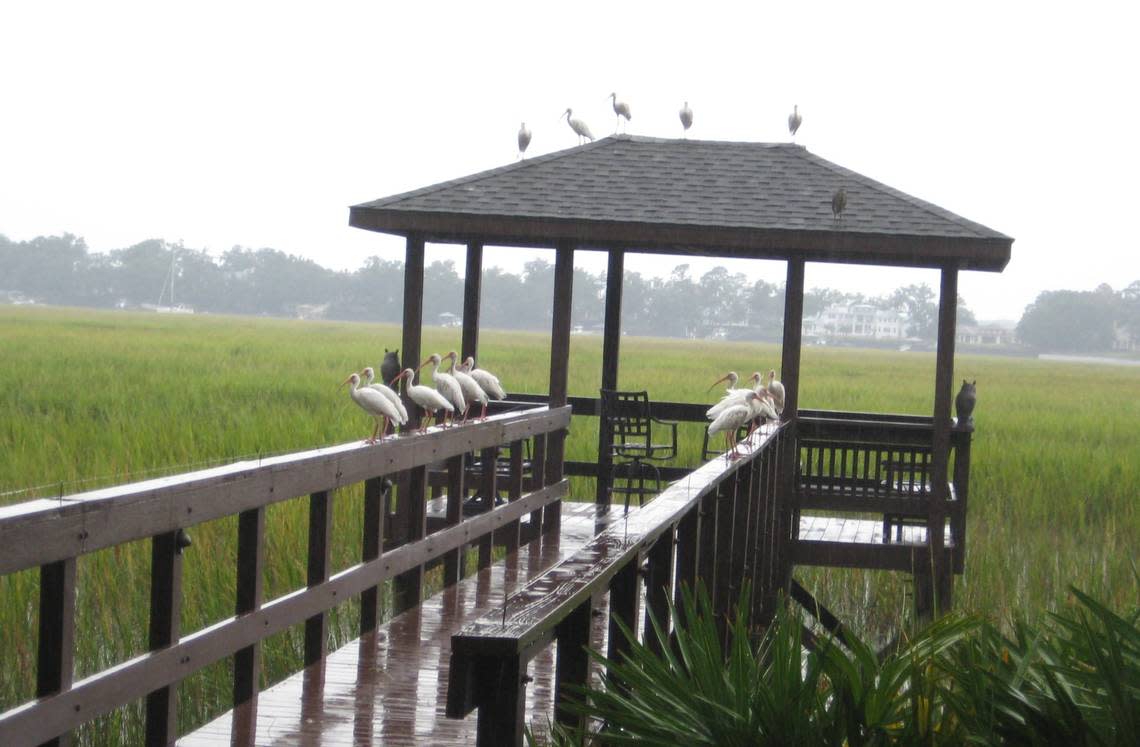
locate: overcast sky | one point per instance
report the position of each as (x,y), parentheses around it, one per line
(258,124)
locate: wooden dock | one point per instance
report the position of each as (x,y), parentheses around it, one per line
(389,687)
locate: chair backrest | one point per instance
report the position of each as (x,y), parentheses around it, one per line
(627,416)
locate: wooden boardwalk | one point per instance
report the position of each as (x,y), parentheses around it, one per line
(390,687)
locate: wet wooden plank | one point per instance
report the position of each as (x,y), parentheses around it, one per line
(389,687)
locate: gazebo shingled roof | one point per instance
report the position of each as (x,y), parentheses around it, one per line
(726,199)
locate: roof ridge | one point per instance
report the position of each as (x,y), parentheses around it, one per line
(928,207)
(488,173)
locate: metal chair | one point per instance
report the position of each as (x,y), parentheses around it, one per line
(627,415)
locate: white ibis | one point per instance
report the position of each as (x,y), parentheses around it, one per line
(472,392)
(838,202)
(428,399)
(732,396)
(794,120)
(486,379)
(373,403)
(776,389)
(730,421)
(524,139)
(368,375)
(446,385)
(580,128)
(686,115)
(621,109)
(763,410)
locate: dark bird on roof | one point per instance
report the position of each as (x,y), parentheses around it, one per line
(580,128)
(686,115)
(838,202)
(621,109)
(794,120)
(524,141)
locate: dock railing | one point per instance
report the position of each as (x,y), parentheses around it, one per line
(53,534)
(722,523)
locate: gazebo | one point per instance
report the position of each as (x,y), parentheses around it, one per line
(701,198)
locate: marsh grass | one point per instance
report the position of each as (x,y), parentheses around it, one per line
(95,398)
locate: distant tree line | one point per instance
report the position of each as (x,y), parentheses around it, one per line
(61,270)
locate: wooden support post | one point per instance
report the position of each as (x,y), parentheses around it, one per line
(503,704)
(559,370)
(165,613)
(611,340)
(372,544)
(686,575)
(413,317)
(962,496)
(456,492)
(489,489)
(785,497)
(572,665)
(941,567)
(537,480)
(55,653)
(250,594)
(706,543)
(472,292)
(623,606)
(724,585)
(407,587)
(657,587)
(510,533)
(320,553)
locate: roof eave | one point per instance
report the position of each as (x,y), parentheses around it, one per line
(969,253)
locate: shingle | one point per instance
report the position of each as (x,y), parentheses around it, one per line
(636,180)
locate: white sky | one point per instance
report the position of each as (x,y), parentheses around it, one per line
(258,124)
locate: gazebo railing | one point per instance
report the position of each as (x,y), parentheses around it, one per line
(723,523)
(53,534)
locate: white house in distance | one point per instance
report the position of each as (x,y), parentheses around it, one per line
(857,321)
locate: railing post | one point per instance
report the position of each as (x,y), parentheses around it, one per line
(706,542)
(250,590)
(453,569)
(489,489)
(962,496)
(687,549)
(510,532)
(372,543)
(320,551)
(407,587)
(55,654)
(657,580)
(624,589)
(723,581)
(537,480)
(165,611)
(572,666)
(502,706)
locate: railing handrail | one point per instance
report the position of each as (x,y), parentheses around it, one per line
(43,531)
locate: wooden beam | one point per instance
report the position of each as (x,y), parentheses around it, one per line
(943,577)
(55,665)
(559,368)
(318,569)
(371,546)
(472,293)
(611,342)
(165,614)
(413,317)
(790,377)
(250,594)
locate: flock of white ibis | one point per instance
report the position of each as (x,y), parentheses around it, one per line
(456,390)
(749,405)
(623,111)
(463,385)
